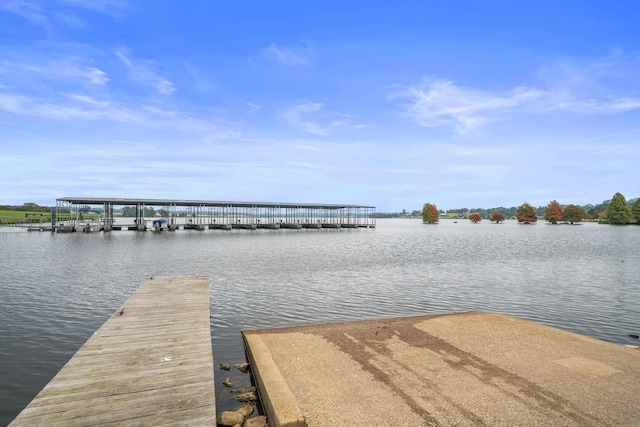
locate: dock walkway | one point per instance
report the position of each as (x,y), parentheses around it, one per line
(468,369)
(150,364)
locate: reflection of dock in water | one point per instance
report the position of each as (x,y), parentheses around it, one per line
(219,226)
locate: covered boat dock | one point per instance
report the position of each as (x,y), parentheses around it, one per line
(101,214)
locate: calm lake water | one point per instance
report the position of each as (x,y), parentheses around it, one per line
(57,289)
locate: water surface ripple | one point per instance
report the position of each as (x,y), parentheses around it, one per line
(57,289)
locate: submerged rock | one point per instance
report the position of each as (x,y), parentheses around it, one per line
(242,367)
(235,418)
(230,418)
(227,382)
(246,410)
(259,421)
(225,366)
(246,397)
(244,389)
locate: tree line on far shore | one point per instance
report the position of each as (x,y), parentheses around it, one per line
(614,211)
(26,207)
(617,211)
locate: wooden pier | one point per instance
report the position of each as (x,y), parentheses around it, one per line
(150,364)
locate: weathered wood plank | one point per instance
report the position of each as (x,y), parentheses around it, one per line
(78,391)
(151,363)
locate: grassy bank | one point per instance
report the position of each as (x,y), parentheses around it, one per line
(22,217)
(8,216)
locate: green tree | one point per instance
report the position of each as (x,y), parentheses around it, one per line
(573,213)
(590,211)
(526,213)
(482,212)
(129,211)
(619,211)
(497,216)
(32,207)
(553,213)
(635,210)
(430,214)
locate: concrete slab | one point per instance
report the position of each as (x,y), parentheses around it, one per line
(468,369)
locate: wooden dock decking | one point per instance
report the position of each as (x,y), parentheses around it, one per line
(150,363)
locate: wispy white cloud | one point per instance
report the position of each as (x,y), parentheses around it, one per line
(199,83)
(441,103)
(608,105)
(624,104)
(49,14)
(608,85)
(307,147)
(312,117)
(56,68)
(76,107)
(296,115)
(73,106)
(113,8)
(615,135)
(142,71)
(29,10)
(289,55)
(603,76)
(253,108)
(70,89)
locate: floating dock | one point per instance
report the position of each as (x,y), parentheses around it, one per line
(150,364)
(469,369)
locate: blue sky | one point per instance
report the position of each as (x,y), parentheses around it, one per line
(391,104)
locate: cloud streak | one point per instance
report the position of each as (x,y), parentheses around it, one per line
(142,71)
(47,15)
(289,55)
(313,118)
(581,88)
(73,106)
(112,8)
(65,68)
(26,9)
(441,103)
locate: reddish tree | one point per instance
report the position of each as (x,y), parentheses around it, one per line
(433,213)
(498,217)
(553,214)
(526,213)
(475,218)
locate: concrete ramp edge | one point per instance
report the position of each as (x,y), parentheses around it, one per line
(279,402)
